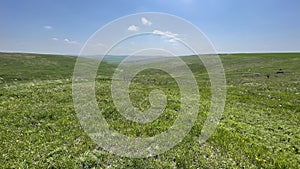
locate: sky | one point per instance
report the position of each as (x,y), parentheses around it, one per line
(63,27)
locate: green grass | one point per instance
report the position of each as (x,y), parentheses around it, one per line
(259,128)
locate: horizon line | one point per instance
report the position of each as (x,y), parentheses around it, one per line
(218,53)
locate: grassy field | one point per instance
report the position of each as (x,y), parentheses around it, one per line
(259,128)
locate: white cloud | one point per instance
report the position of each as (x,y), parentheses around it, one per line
(172,40)
(173,37)
(146,21)
(70,41)
(47,27)
(133,28)
(55,39)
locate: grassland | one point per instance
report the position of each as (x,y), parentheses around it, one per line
(259,128)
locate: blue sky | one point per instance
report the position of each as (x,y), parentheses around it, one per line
(231,25)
